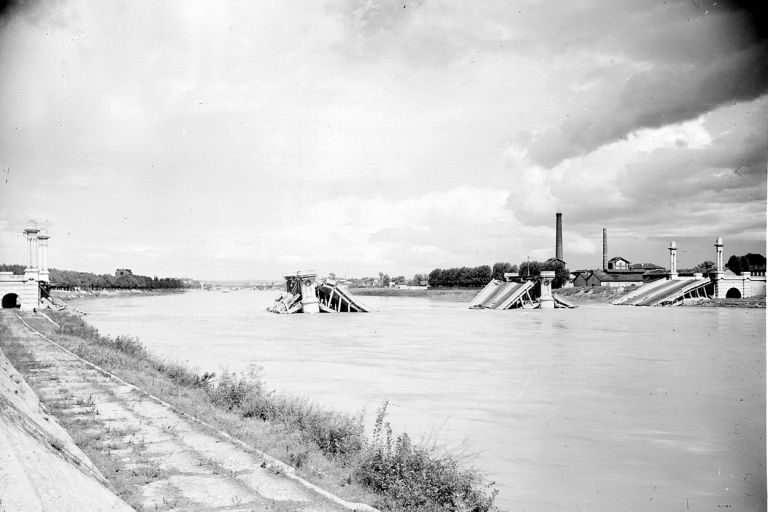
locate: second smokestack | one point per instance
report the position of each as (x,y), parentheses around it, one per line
(605,249)
(559,236)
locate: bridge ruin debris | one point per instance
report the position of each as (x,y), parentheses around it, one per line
(305,294)
(516,293)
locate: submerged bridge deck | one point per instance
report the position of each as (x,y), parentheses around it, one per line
(335,299)
(665,292)
(562,303)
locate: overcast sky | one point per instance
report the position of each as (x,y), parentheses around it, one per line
(225,139)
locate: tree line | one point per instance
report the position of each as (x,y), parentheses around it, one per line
(481,275)
(747,263)
(69,279)
(460,276)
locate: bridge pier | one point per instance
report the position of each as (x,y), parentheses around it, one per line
(546,300)
(309,303)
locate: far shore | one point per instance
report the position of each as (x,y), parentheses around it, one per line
(453,294)
(95,294)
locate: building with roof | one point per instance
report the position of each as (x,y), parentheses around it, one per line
(618,263)
(607,279)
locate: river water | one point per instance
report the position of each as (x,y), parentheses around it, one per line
(597,408)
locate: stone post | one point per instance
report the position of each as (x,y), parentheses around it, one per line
(42,241)
(672,260)
(545,279)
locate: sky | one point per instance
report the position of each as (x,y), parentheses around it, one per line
(238,139)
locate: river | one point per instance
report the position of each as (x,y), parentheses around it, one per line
(597,408)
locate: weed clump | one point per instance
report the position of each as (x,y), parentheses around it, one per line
(417,477)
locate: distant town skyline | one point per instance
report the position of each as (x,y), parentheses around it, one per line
(248,141)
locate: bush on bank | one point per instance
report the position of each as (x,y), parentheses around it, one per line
(418,477)
(406,476)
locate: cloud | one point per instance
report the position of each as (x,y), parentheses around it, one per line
(613,68)
(252,137)
(366,18)
(697,177)
(664,95)
(408,234)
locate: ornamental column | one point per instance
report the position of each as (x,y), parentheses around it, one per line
(719,272)
(42,243)
(672,260)
(719,249)
(31,271)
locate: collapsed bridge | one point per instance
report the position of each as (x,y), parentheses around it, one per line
(304,294)
(666,292)
(519,294)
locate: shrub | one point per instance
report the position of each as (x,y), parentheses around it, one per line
(231,391)
(73,325)
(129,345)
(419,478)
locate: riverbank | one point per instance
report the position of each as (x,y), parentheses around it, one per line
(595,295)
(326,448)
(451,294)
(748,302)
(95,294)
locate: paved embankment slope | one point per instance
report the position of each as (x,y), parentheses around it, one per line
(187,465)
(41,468)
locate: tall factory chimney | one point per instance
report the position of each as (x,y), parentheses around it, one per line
(605,249)
(559,236)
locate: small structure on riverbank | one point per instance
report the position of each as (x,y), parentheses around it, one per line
(304,294)
(517,293)
(26,291)
(31,290)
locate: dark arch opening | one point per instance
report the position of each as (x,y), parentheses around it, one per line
(733,293)
(11,300)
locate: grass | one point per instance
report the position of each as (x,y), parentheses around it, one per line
(593,294)
(329,448)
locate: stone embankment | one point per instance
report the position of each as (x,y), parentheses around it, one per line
(171,461)
(41,468)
